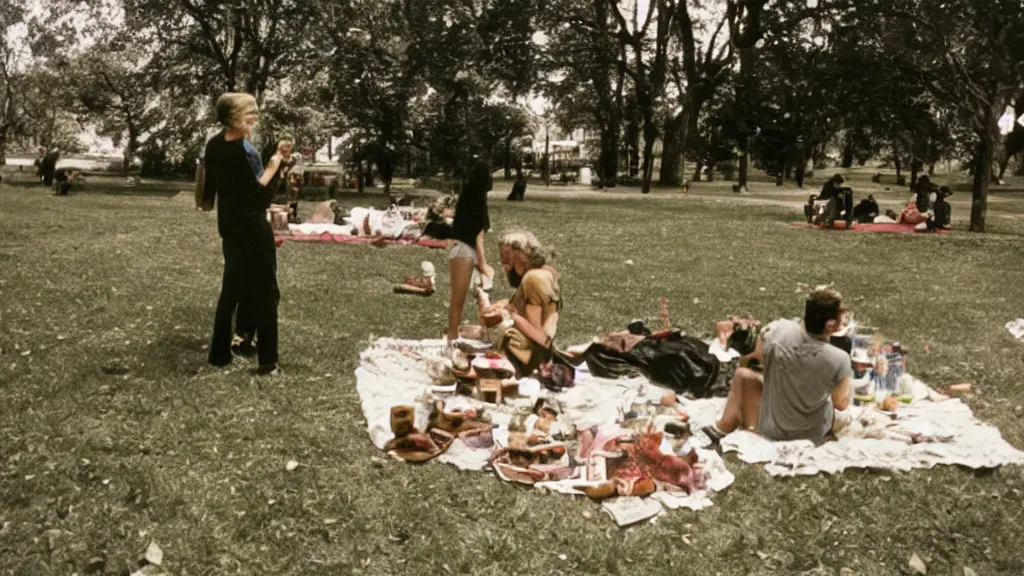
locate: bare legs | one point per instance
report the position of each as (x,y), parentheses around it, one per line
(744,402)
(461,270)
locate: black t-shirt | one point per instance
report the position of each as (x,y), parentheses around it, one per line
(241,201)
(471,216)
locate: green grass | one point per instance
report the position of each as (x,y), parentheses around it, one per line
(115,433)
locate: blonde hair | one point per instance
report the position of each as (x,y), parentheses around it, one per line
(231,105)
(528,244)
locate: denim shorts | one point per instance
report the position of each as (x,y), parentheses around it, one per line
(462,250)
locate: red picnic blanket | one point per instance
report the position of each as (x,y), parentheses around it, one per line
(347,239)
(900,228)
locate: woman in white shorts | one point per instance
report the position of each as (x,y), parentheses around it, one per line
(466,252)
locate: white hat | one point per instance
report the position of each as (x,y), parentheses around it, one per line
(860,356)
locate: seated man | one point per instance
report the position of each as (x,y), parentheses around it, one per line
(840,200)
(866,211)
(527,335)
(805,378)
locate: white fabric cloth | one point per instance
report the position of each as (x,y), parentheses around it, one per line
(394,372)
(307,229)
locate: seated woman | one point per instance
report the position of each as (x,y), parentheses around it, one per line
(938,218)
(921,203)
(527,335)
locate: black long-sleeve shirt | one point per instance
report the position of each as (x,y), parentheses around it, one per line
(471,216)
(231,180)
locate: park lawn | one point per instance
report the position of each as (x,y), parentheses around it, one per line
(116,434)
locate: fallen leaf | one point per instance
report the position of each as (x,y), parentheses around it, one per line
(762,555)
(763,289)
(154,555)
(563,557)
(629,262)
(26,352)
(969,572)
(686,540)
(917,565)
(291,465)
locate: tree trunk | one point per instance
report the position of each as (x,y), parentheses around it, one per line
(361,178)
(931,169)
(508,158)
(131,146)
(547,159)
(748,56)
(982,179)
(801,172)
(609,158)
(671,153)
(697,169)
(3,148)
(387,171)
(744,164)
(899,167)
(650,134)
(710,172)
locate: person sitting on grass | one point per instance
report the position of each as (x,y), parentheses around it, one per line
(527,336)
(938,218)
(866,211)
(63,179)
(840,199)
(806,379)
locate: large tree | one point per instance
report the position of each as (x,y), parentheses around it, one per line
(118,90)
(585,68)
(648,67)
(972,65)
(12,59)
(700,69)
(239,45)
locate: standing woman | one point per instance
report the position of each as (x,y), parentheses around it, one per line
(235,177)
(467,248)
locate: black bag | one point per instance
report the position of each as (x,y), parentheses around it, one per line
(677,361)
(680,362)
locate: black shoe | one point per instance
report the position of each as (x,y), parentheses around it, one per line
(713,434)
(268,370)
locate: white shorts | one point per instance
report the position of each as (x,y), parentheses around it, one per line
(462,250)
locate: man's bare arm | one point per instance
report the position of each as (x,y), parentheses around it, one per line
(842,395)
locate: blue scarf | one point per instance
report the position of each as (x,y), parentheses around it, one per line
(254,158)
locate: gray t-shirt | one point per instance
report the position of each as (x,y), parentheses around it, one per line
(800,374)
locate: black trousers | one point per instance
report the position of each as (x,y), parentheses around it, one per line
(250,286)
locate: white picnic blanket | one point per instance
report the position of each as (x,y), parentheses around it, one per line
(929,431)
(394,372)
